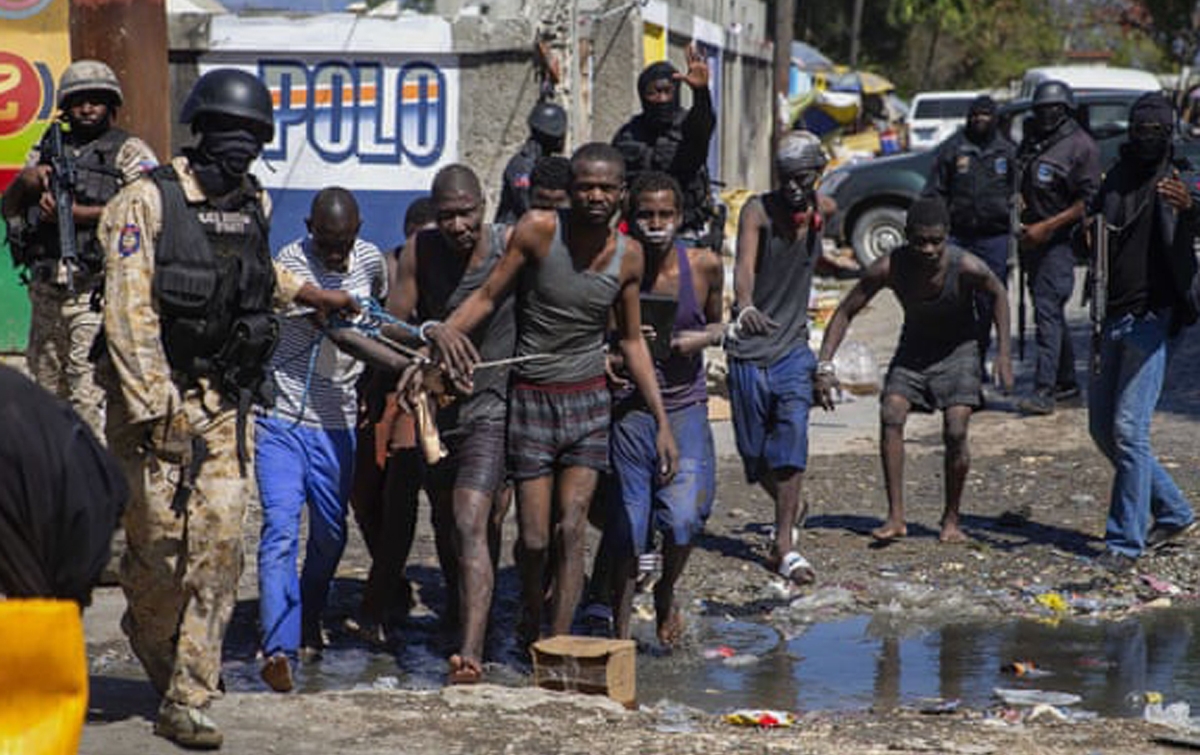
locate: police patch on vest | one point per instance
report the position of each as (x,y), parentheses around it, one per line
(1044,173)
(130,240)
(963,163)
(1001,166)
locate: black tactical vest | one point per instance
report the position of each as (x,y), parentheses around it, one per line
(97,180)
(214,283)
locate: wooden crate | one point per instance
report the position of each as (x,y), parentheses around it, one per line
(592,665)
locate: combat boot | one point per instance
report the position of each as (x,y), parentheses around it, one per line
(187,727)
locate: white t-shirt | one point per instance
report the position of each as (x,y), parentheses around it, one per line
(315,381)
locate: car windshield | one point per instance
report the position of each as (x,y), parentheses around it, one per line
(942,108)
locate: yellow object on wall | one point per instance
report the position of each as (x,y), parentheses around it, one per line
(43,677)
(654,43)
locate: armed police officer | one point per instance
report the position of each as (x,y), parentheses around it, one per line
(973,175)
(1060,173)
(189,292)
(669,138)
(547,135)
(100,158)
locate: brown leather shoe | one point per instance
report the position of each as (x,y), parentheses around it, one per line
(277,673)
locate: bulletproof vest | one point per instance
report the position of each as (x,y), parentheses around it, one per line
(697,199)
(97,180)
(214,283)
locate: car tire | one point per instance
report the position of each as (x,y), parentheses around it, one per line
(876,232)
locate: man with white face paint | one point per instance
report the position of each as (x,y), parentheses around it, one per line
(694,278)
(770,364)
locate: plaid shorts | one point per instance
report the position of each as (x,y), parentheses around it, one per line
(558,425)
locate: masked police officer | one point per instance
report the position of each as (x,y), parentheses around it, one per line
(973,174)
(547,135)
(63,324)
(189,290)
(669,138)
(1060,171)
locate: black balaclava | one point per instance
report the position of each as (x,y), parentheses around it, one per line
(1151,120)
(222,158)
(1047,118)
(981,105)
(660,113)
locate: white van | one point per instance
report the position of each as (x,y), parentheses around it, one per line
(934,116)
(1090,78)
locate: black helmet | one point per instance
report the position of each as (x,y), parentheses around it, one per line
(1053,93)
(548,119)
(231,91)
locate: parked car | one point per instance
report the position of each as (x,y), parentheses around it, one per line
(1084,78)
(934,116)
(872,197)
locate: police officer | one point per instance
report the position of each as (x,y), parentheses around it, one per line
(547,135)
(63,325)
(189,290)
(972,174)
(668,138)
(1060,171)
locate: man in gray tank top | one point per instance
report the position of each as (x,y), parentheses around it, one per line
(936,365)
(770,364)
(438,269)
(571,270)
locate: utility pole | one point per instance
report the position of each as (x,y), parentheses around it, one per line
(856,32)
(782,21)
(131,37)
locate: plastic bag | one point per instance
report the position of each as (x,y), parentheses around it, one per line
(857,370)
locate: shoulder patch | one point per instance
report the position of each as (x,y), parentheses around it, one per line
(1001,166)
(130,240)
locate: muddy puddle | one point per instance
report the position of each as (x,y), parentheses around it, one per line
(851,664)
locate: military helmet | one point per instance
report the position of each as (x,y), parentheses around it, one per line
(1053,93)
(88,76)
(231,91)
(548,119)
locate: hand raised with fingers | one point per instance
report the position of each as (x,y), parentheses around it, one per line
(697,69)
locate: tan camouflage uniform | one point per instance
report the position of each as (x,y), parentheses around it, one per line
(181,568)
(62,327)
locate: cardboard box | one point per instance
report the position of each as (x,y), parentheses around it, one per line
(592,665)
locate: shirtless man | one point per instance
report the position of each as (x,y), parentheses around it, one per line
(694,278)
(439,268)
(936,365)
(574,269)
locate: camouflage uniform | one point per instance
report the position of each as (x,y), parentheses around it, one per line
(62,326)
(181,568)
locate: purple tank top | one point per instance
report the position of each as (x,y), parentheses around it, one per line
(680,378)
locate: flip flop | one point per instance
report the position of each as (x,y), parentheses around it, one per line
(796,569)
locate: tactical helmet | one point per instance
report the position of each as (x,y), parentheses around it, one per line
(548,119)
(88,76)
(231,91)
(1053,93)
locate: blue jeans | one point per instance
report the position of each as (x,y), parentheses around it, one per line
(770,411)
(295,465)
(1121,401)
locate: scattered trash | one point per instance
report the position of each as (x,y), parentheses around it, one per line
(1160,585)
(1024,668)
(1174,716)
(720,651)
(1030,697)
(857,368)
(767,719)
(740,660)
(386,683)
(940,707)
(1043,711)
(1053,601)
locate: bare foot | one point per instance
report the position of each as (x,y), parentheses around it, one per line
(670,631)
(890,531)
(951,533)
(464,670)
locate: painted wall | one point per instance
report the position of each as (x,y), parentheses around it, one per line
(34,51)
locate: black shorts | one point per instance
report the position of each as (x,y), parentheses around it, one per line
(475,461)
(953,380)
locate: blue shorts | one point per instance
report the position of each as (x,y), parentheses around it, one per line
(770,411)
(679,508)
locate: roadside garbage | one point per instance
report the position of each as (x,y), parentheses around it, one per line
(1175,715)
(1030,697)
(857,370)
(720,651)
(767,719)
(1053,601)
(940,707)
(1046,712)
(1026,669)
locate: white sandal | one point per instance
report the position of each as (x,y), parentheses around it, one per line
(796,569)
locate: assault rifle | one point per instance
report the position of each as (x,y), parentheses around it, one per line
(62,188)
(1014,254)
(1098,300)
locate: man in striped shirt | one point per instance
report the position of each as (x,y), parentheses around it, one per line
(305,445)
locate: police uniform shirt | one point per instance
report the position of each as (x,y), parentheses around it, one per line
(1058,176)
(976,183)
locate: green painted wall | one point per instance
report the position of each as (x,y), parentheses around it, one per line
(14,302)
